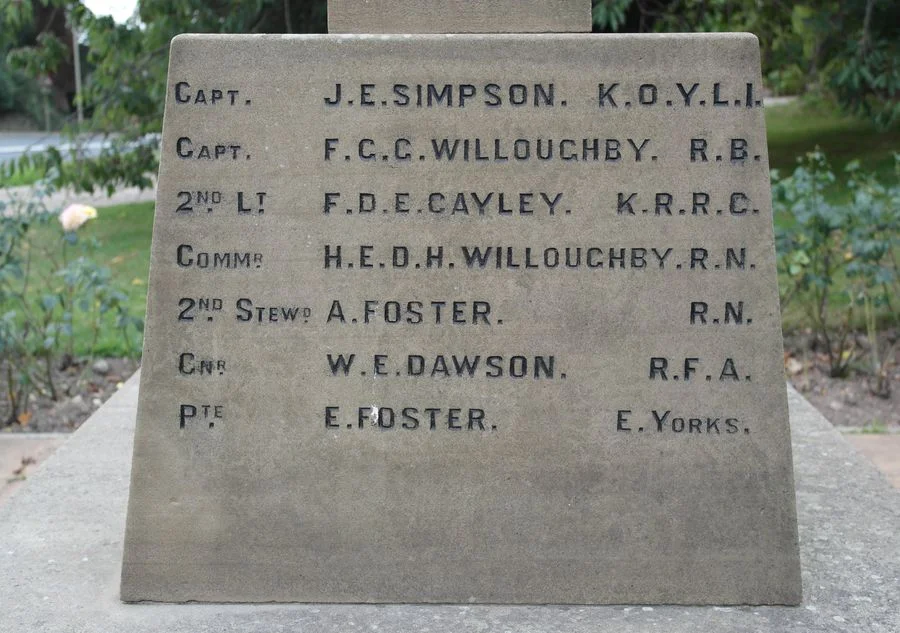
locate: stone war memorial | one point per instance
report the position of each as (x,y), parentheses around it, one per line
(463,318)
(469,327)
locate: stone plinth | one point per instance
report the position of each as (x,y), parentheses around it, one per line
(471,318)
(459,16)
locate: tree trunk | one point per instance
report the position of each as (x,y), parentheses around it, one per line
(287,16)
(867,25)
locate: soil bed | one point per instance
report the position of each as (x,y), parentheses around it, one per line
(82,389)
(848,403)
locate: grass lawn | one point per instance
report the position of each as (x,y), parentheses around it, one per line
(798,127)
(124,235)
(21,177)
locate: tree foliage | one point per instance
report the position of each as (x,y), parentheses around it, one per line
(851,48)
(848,48)
(19,92)
(125,92)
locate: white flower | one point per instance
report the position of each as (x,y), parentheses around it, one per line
(74,215)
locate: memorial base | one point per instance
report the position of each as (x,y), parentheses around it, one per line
(61,554)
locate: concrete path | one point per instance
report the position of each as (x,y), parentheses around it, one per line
(883,451)
(62,198)
(778,101)
(20,455)
(14,144)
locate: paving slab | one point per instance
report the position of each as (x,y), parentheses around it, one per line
(883,451)
(21,454)
(61,554)
(98,199)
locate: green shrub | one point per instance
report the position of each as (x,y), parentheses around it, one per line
(872,236)
(790,80)
(835,259)
(49,289)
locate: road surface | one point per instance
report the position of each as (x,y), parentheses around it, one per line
(14,144)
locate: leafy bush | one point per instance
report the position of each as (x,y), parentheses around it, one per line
(609,15)
(866,79)
(50,292)
(872,238)
(837,258)
(790,80)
